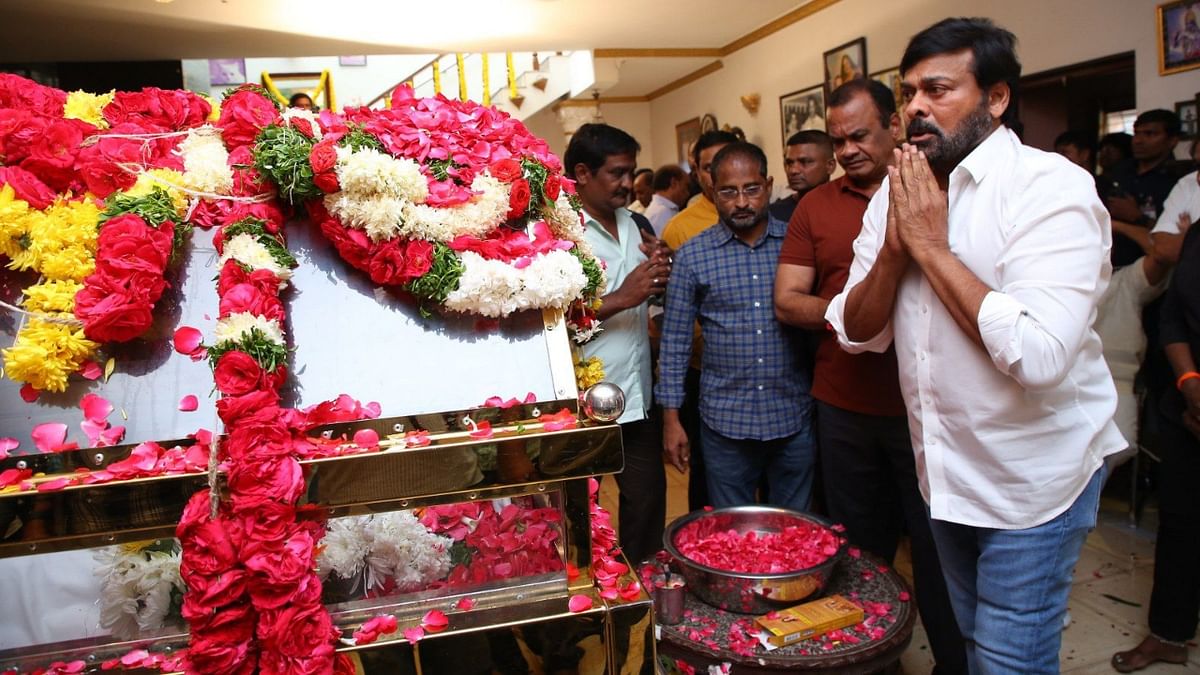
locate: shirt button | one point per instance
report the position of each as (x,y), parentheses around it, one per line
(924,309)
(760,359)
(753,276)
(932,441)
(923,355)
(759,331)
(760,387)
(758,304)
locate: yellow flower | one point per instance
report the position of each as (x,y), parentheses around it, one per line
(14,223)
(588,372)
(215,115)
(162,179)
(45,354)
(88,107)
(52,296)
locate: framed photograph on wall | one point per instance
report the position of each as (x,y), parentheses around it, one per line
(346,61)
(1178,36)
(844,63)
(226,71)
(686,134)
(802,110)
(1186,111)
(890,78)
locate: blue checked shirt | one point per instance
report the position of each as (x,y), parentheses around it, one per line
(752,384)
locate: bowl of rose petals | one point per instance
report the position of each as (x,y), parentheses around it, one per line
(754,559)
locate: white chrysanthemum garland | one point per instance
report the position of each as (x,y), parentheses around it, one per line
(495,288)
(391,546)
(240,325)
(253,253)
(205,161)
(140,587)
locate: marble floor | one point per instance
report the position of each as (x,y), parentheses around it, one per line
(1108,602)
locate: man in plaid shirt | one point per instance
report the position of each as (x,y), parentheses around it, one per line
(754,402)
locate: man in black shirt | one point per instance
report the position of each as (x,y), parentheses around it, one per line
(807,162)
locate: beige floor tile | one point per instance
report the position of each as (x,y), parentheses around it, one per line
(1093,637)
(917,659)
(1095,563)
(1112,597)
(1115,536)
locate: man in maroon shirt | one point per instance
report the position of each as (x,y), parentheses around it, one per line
(864,447)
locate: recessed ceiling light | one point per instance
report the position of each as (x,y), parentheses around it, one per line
(164,2)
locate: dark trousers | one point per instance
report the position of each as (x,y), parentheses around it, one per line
(642,507)
(1175,600)
(689,417)
(870,482)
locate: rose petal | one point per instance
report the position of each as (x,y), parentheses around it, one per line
(465,604)
(134,657)
(366,438)
(482,430)
(91,370)
(95,408)
(8,443)
(187,340)
(28,393)
(579,603)
(414,634)
(434,621)
(189,403)
(49,437)
(52,485)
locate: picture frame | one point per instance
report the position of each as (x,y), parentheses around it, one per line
(290,84)
(890,78)
(352,61)
(1178,29)
(801,110)
(225,72)
(686,135)
(845,62)
(1187,113)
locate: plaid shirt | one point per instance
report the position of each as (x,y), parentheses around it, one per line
(752,384)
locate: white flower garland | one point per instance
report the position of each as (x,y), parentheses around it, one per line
(206,161)
(391,545)
(482,214)
(234,326)
(247,250)
(496,289)
(135,589)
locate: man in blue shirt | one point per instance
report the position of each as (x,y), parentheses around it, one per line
(754,402)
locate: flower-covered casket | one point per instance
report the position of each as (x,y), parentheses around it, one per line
(290,393)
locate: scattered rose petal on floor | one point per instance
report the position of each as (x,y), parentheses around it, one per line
(53,485)
(414,634)
(366,438)
(49,437)
(579,603)
(434,621)
(28,393)
(189,403)
(95,408)
(187,340)
(91,370)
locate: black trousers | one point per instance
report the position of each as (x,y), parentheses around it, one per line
(1175,599)
(871,487)
(689,417)
(642,507)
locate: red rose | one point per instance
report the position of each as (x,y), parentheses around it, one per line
(244,114)
(128,246)
(207,592)
(52,155)
(276,479)
(418,258)
(298,631)
(506,170)
(302,125)
(553,187)
(237,373)
(208,550)
(112,314)
(518,199)
(260,435)
(327,182)
(323,157)
(206,656)
(157,109)
(252,299)
(195,514)
(268,212)
(233,624)
(18,131)
(233,408)
(277,573)
(386,265)
(268,521)
(233,274)
(27,186)
(352,244)
(25,94)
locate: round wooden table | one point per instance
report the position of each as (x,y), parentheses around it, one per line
(709,636)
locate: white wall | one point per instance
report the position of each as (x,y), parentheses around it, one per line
(1050,34)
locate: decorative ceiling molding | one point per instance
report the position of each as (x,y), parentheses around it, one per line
(686,80)
(682,52)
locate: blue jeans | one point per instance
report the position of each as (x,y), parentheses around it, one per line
(735,467)
(1009,588)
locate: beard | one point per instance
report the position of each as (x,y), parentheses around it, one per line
(744,219)
(944,151)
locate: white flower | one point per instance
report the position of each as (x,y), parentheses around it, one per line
(205,161)
(234,326)
(299,113)
(564,221)
(487,209)
(495,288)
(368,171)
(391,545)
(345,547)
(136,587)
(379,215)
(246,249)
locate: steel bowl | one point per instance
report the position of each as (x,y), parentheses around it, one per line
(744,592)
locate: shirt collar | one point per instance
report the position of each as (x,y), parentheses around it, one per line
(621,215)
(666,203)
(845,185)
(987,154)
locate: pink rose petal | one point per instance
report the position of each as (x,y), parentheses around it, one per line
(91,370)
(49,437)
(579,603)
(434,621)
(414,634)
(366,438)
(189,403)
(187,340)
(28,393)
(52,485)
(95,408)
(482,430)
(134,657)
(13,476)
(465,604)
(6,444)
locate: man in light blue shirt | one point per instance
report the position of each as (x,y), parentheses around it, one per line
(601,159)
(670,195)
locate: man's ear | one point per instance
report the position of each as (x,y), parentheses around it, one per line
(582,174)
(999,97)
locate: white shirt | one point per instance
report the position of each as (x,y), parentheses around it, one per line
(1006,438)
(636,207)
(623,344)
(659,212)
(1184,198)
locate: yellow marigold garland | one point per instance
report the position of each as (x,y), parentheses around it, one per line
(588,371)
(88,107)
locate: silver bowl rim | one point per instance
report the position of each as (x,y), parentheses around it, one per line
(680,522)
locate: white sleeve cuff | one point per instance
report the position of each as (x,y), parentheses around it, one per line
(999,321)
(834,313)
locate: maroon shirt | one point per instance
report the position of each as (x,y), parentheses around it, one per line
(821,235)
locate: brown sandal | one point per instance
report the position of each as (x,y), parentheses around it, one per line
(1152,650)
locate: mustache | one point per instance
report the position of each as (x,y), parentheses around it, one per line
(920,126)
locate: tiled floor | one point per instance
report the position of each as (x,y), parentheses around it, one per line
(1108,603)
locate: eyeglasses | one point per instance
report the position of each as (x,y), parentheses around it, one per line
(750,191)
